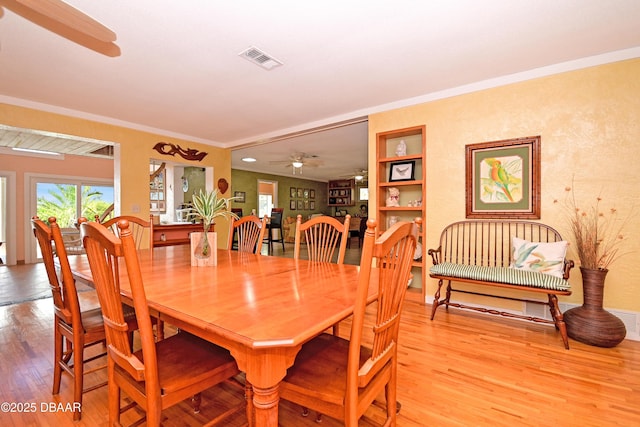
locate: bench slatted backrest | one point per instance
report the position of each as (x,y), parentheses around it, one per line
(488,242)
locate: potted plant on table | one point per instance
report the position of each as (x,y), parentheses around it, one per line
(207,206)
(597,235)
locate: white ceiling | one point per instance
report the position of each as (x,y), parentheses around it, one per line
(179,73)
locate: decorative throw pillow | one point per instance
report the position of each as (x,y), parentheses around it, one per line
(545,258)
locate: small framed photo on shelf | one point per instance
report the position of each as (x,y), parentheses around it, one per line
(312,193)
(292,205)
(300,191)
(306,193)
(306,205)
(312,205)
(292,192)
(402,171)
(239,196)
(300,205)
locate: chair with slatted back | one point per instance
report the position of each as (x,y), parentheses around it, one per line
(140,229)
(108,213)
(162,373)
(74,329)
(275,225)
(322,234)
(234,242)
(341,378)
(249,231)
(363,229)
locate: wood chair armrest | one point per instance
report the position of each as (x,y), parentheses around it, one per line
(568,265)
(435,255)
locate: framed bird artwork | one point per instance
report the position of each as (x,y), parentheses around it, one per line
(503,179)
(402,171)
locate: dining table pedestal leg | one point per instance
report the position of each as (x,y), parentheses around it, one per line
(265,403)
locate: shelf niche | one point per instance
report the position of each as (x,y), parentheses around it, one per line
(341,193)
(412,192)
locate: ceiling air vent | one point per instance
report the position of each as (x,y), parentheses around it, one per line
(260,58)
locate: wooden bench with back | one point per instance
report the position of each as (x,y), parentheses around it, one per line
(520,255)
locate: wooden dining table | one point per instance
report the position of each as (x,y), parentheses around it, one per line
(261,308)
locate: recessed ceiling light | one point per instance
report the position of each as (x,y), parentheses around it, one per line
(248,159)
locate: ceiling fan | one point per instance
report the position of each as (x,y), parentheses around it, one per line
(66,21)
(359,175)
(298,160)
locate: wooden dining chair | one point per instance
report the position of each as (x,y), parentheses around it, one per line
(249,233)
(140,229)
(74,329)
(342,378)
(275,224)
(234,242)
(322,235)
(162,373)
(362,230)
(106,214)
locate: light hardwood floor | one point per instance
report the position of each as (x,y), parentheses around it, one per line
(462,369)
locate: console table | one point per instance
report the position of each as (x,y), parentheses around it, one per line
(174,234)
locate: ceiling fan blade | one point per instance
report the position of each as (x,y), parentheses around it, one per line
(71,17)
(313,163)
(358,172)
(280,162)
(62,29)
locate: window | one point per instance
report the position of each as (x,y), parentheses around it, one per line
(70,201)
(265,204)
(363,193)
(267,197)
(66,199)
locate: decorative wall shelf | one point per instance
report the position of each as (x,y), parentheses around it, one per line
(391,151)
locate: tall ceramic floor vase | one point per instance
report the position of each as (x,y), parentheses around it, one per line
(591,324)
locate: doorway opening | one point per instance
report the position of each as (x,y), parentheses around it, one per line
(267,197)
(7,218)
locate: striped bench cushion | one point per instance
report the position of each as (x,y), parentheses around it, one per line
(507,275)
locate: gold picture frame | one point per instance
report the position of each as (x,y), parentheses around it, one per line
(503,179)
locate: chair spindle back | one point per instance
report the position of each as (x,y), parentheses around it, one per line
(323,234)
(104,252)
(65,295)
(138,227)
(250,232)
(390,258)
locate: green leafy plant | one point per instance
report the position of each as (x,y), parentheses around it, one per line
(207,206)
(60,202)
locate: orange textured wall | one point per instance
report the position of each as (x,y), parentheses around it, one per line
(131,172)
(589,123)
